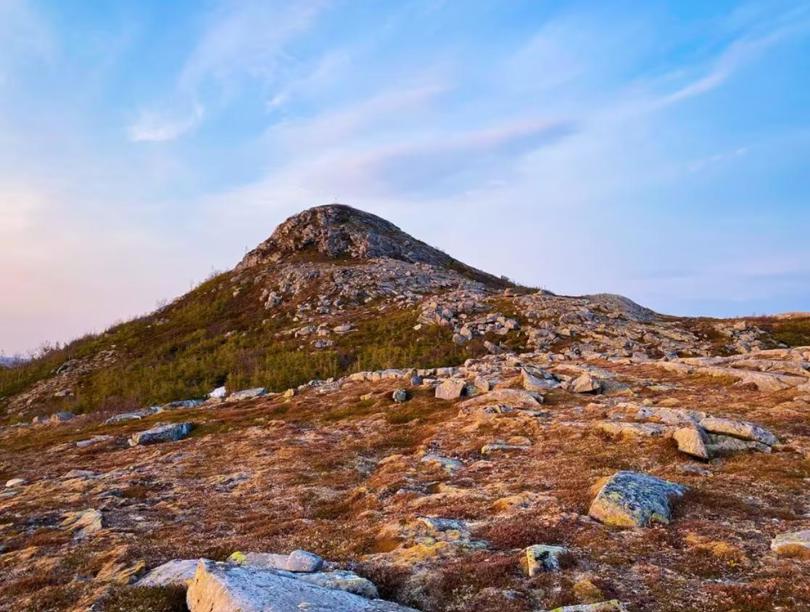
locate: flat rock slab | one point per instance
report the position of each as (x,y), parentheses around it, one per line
(739,429)
(514,398)
(795,544)
(178,572)
(633,499)
(246,394)
(219,587)
(161,433)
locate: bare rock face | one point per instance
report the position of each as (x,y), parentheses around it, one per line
(338,231)
(219,587)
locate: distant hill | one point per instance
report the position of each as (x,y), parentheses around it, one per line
(335,290)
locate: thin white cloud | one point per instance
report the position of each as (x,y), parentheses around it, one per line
(163,127)
(244,41)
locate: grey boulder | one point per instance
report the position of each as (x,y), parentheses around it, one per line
(161,433)
(633,499)
(222,587)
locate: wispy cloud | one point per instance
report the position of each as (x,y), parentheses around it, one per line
(153,126)
(241,42)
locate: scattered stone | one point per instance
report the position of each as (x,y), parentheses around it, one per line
(542,557)
(161,433)
(692,441)
(613,605)
(15,482)
(633,499)
(440,525)
(303,561)
(538,381)
(514,398)
(739,429)
(218,393)
(60,417)
(246,394)
(137,415)
(232,588)
(182,404)
(83,523)
(450,389)
(584,383)
(450,465)
(795,544)
(651,430)
(101,439)
(496,447)
(481,384)
(343,329)
(400,396)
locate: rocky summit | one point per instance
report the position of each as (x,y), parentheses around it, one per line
(351,419)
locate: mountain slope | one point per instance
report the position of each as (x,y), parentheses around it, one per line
(271,322)
(518,427)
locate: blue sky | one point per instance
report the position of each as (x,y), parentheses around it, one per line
(654,149)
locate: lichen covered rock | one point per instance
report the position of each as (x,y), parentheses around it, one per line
(633,499)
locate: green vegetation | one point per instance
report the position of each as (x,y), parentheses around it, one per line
(212,337)
(793,331)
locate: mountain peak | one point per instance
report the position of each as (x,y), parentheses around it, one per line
(338,231)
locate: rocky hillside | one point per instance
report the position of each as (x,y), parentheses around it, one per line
(351,419)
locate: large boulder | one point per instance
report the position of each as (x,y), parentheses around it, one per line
(161,433)
(633,499)
(220,587)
